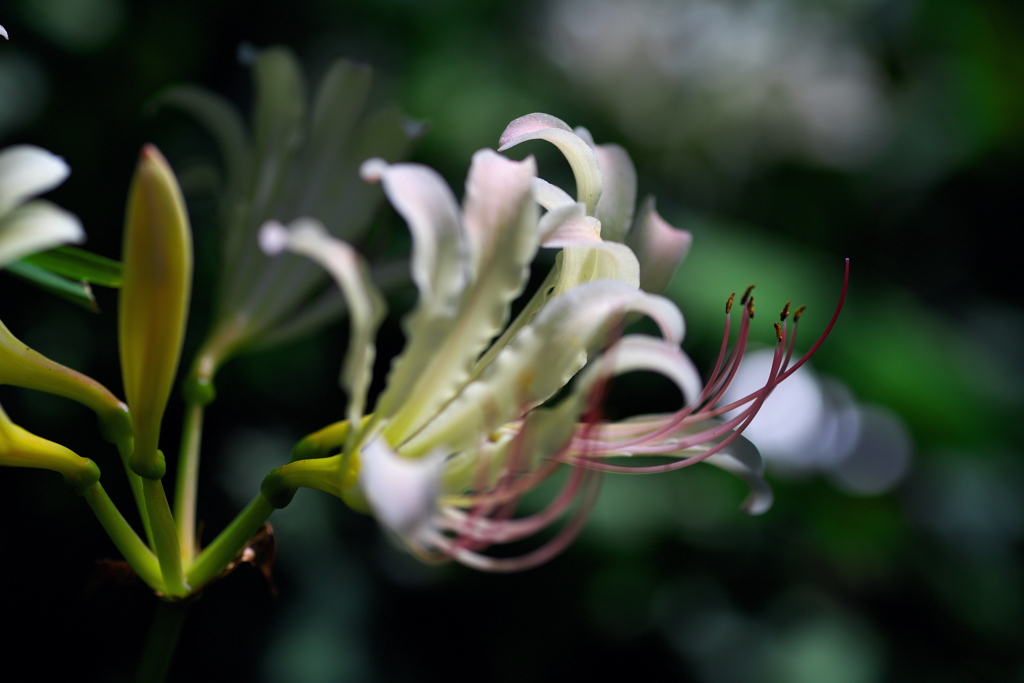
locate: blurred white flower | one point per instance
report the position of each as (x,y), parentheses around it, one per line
(740,81)
(27,227)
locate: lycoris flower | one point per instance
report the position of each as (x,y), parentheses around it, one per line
(476,412)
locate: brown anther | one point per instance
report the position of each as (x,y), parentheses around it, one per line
(728,304)
(799,312)
(746,294)
(750,307)
(785,312)
(778,331)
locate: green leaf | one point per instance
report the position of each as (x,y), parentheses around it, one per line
(78,264)
(76,292)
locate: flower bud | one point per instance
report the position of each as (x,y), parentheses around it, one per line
(154,301)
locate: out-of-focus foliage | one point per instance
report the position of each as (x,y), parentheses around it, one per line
(786,135)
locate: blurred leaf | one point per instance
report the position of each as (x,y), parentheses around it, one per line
(79,293)
(78,264)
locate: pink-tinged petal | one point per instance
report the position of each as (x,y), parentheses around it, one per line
(568,226)
(530,124)
(618,194)
(27,171)
(496,189)
(440,262)
(580,154)
(3,32)
(402,491)
(659,247)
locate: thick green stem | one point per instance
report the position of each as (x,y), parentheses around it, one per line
(162,641)
(188,479)
(140,557)
(216,557)
(165,538)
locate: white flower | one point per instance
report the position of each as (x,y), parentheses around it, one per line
(27,227)
(469,420)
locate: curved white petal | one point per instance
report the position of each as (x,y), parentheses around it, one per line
(440,266)
(27,171)
(402,491)
(577,151)
(599,261)
(742,459)
(618,194)
(659,247)
(3,32)
(307,236)
(550,196)
(34,227)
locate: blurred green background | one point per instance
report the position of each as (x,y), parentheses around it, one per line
(787,135)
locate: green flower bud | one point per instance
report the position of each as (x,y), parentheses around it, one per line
(154,301)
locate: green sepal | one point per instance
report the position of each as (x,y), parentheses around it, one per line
(79,264)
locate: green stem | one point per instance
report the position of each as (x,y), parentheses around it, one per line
(188,479)
(215,558)
(165,538)
(162,641)
(139,556)
(125,447)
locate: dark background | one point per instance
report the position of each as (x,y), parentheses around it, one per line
(786,135)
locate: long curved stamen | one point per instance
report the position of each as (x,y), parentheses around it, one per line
(654,442)
(488,524)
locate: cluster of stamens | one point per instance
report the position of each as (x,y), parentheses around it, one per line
(692,434)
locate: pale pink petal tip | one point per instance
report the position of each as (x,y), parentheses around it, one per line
(373,170)
(525,125)
(3,32)
(273,238)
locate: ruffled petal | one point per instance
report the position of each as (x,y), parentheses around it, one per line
(540,360)
(500,219)
(440,263)
(27,171)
